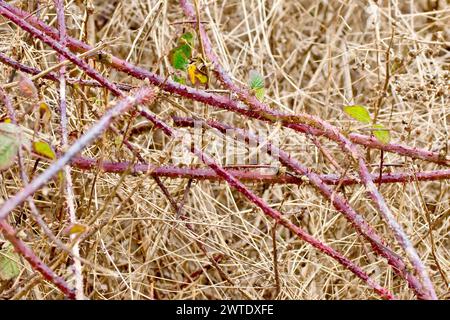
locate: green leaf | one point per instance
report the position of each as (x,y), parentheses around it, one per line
(9,144)
(42,148)
(256,81)
(381,133)
(358,112)
(180,55)
(9,263)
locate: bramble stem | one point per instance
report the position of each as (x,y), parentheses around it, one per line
(176,172)
(37,264)
(302,123)
(269,211)
(9,232)
(68,185)
(223,102)
(143,95)
(339,202)
(53,76)
(333,133)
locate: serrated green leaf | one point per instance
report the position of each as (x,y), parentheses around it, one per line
(9,263)
(9,144)
(256,81)
(358,113)
(381,133)
(42,148)
(186,50)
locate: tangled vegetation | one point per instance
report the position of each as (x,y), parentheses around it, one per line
(193,149)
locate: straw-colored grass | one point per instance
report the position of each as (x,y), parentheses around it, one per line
(316,56)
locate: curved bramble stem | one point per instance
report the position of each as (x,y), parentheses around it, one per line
(11,235)
(280,219)
(250,176)
(53,76)
(223,102)
(143,95)
(339,202)
(77,268)
(369,142)
(34,211)
(269,211)
(147,95)
(8,230)
(61,50)
(346,145)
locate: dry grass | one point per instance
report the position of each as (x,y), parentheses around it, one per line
(316,56)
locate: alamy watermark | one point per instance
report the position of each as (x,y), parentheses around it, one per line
(229,148)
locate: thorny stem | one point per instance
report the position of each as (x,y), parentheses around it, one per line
(62,50)
(286,119)
(9,232)
(143,95)
(339,202)
(11,235)
(345,144)
(369,142)
(77,268)
(223,102)
(34,211)
(249,176)
(53,76)
(274,214)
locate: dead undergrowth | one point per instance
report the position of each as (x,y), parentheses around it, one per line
(316,56)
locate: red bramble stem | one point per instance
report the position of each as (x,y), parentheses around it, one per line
(223,102)
(249,176)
